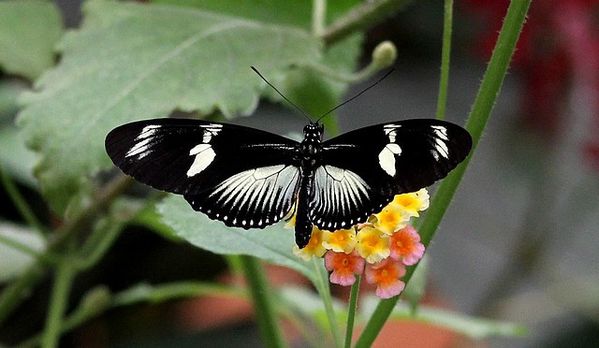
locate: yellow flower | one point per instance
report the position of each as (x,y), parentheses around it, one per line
(290,224)
(391,218)
(413,202)
(341,241)
(372,244)
(314,247)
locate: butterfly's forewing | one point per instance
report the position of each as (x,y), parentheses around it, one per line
(363,169)
(239,175)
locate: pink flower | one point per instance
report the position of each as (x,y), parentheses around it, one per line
(344,267)
(385,275)
(405,246)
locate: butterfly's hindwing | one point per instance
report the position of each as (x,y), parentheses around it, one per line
(253,198)
(390,159)
(341,198)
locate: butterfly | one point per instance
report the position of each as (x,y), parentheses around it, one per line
(250,178)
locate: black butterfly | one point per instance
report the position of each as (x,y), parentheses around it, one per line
(249,178)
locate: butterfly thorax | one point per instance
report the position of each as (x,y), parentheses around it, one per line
(311,146)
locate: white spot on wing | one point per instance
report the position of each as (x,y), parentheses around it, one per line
(387,158)
(204,155)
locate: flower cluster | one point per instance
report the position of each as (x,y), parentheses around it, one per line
(379,248)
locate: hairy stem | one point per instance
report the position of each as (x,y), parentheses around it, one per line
(479,115)
(361,17)
(445,58)
(351,311)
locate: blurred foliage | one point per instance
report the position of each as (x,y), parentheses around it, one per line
(27,46)
(131,61)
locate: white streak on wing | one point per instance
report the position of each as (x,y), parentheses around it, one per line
(343,197)
(387,158)
(147,131)
(336,188)
(264,172)
(441,147)
(440,132)
(263,189)
(139,147)
(204,155)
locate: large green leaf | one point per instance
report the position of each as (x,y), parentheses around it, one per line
(296,13)
(312,91)
(29,29)
(273,244)
(132,61)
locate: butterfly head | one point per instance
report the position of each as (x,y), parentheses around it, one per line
(313,132)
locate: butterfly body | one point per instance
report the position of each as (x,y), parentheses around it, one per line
(249,178)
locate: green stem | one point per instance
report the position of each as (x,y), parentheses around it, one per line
(445,58)
(98,300)
(15,293)
(319,12)
(47,258)
(481,110)
(361,17)
(351,311)
(21,204)
(322,286)
(341,76)
(65,273)
(105,238)
(261,296)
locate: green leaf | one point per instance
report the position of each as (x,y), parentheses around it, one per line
(132,61)
(296,13)
(15,261)
(312,91)
(15,158)
(29,29)
(273,244)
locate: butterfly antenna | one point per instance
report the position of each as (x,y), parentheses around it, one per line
(357,95)
(281,94)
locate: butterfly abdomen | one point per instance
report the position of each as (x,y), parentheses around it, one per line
(303,225)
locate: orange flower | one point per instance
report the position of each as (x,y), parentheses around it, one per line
(385,275)
(344,267)
(314,247)
(405,246)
